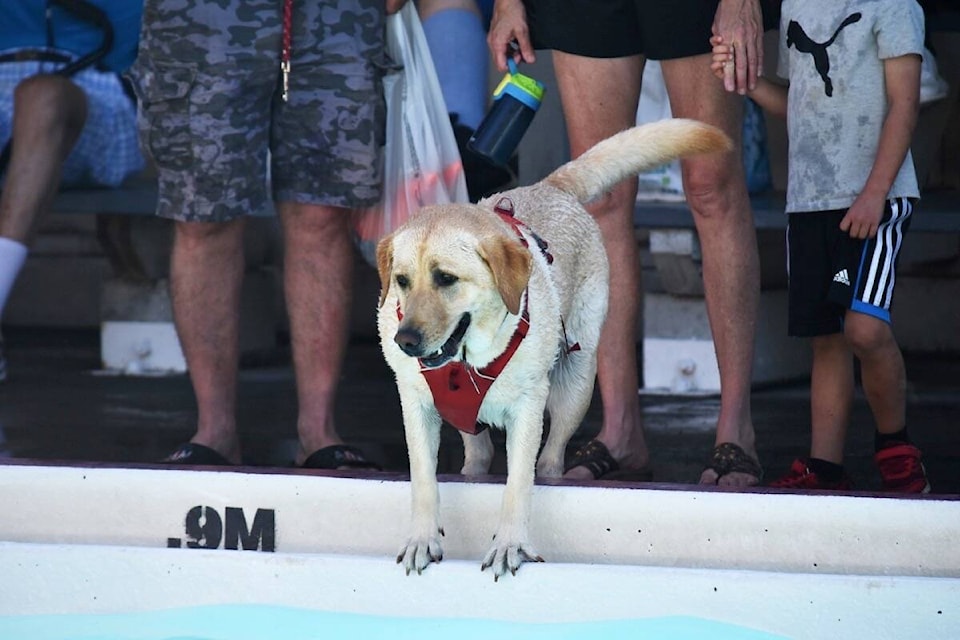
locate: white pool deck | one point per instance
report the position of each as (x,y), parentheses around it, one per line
(94,540)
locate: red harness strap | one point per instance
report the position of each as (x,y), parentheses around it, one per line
(458,389)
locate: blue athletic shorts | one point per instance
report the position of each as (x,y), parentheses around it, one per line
(830,272)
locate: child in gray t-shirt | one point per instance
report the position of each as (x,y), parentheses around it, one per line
(853,68)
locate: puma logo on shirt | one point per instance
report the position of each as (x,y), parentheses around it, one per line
(798,39)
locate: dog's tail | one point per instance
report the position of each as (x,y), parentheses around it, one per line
(637,149)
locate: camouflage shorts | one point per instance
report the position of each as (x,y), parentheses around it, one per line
(208,78)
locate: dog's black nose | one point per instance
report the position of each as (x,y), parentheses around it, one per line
(410,341)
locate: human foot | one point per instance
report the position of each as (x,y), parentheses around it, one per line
(593,461)
(729,465)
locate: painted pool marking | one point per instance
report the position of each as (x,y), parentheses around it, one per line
(204,528)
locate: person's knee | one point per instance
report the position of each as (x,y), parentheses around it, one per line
(315,223)
(190,234)
(713,190)
(51,101)
(867,335)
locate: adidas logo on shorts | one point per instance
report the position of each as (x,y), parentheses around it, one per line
(842,277)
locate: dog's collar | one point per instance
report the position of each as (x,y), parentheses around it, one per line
(459,389)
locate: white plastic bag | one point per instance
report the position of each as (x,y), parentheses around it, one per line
(662,182)
(665,182)
(932,85)
(422,163)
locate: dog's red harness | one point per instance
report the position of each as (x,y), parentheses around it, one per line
(458,389)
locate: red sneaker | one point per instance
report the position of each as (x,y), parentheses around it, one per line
(801,477)
(901,469)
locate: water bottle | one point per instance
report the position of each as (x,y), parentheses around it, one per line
(515,102)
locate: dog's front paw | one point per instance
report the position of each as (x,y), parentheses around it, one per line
(420,551)
(507,555)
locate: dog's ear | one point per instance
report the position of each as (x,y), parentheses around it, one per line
(384,265)
(511,264)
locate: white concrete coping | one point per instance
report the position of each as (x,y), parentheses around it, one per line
(648,525)
(645,561)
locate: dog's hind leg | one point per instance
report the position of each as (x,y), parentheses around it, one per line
(477,453)
(573,376)
(571,391)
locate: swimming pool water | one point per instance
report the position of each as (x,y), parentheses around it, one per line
(255,622)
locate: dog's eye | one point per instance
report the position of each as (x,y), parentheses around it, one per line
(403,281)
(444,279)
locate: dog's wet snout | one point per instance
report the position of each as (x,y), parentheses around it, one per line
(410,341)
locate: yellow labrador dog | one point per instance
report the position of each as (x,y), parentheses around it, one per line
(491,313)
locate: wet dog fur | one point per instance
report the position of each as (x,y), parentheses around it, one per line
(460,277)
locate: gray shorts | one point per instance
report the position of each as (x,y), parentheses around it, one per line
(208,78)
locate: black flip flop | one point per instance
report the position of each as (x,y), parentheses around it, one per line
(197,454)
(339,456)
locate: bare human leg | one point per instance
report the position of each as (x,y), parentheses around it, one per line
(206,274)
(882,370)
(49,114)
(884,384)
(831,396)
(599,98)
(716,192)
(318,279)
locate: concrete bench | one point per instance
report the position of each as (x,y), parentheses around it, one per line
(136,196)
(138,334)
(937,211)
(136,323)
(678,353)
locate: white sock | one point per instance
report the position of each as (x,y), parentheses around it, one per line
(12,256)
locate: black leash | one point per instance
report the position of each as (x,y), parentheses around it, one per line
(87,12)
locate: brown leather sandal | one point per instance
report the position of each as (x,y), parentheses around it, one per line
(728,457)
(596,457)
